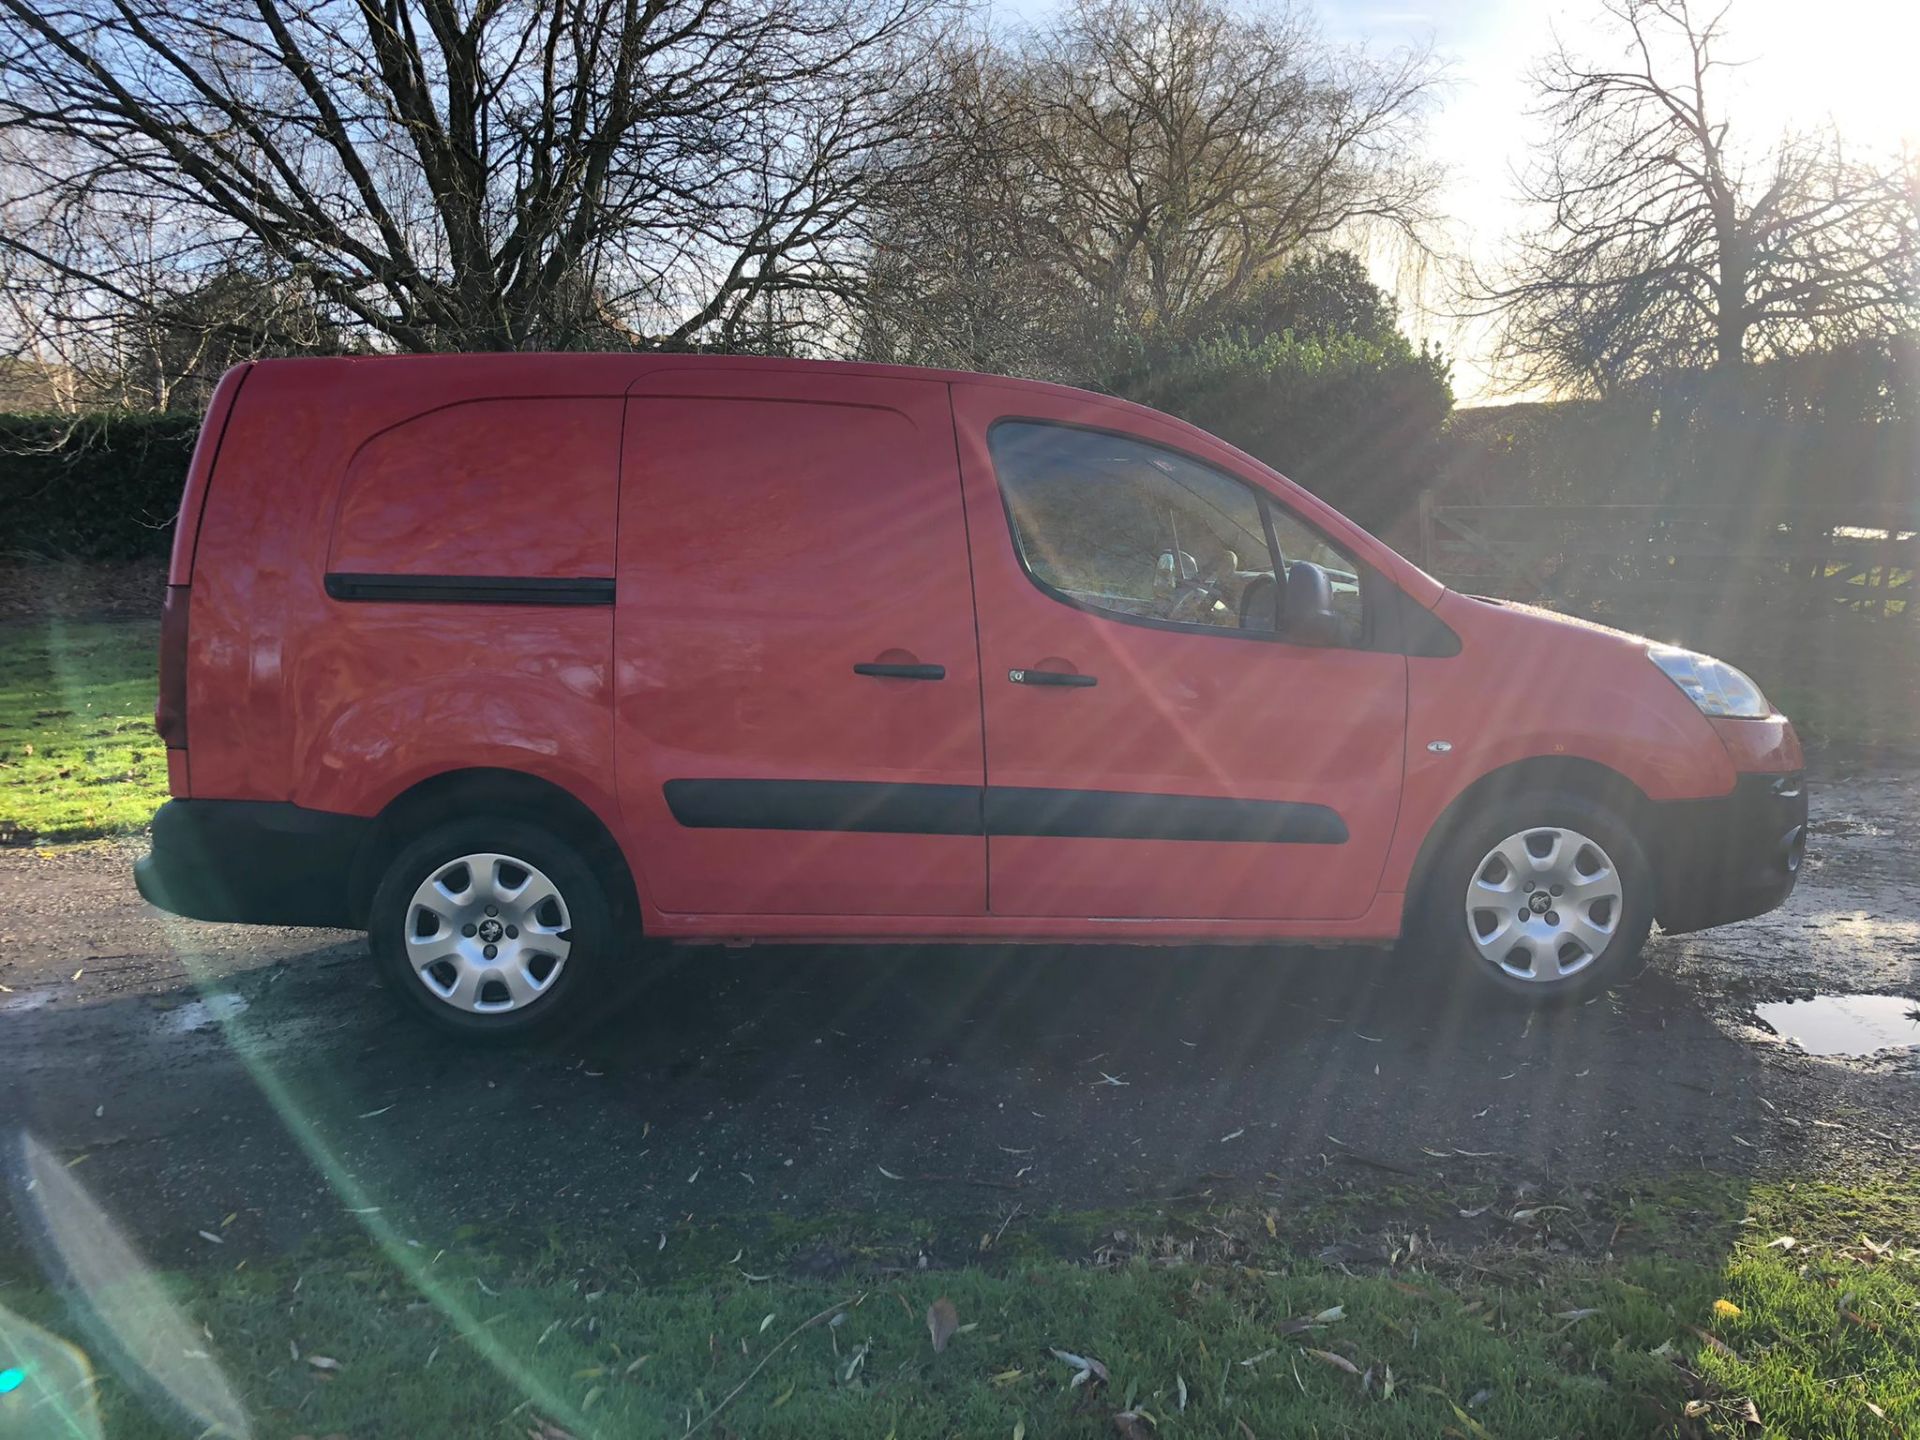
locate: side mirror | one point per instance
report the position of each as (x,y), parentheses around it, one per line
(1308,617)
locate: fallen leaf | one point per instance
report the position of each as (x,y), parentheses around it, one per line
(1088,1368)
(1573,1315)
(766,1322)
(942,1321)
(1327,1317)
(323,1362)
(1245,1429)
(1339,1362)
(1180,1388)
(1784,1242)
(1711,1341)
(886,1172)
(1233,1135)
(858,1362)
(1005,1378)
(1726,1309)
(1019,1430)
(1474,1427)
(1132,1425)
(1521,1217)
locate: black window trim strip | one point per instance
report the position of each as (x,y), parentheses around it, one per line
(470,589)
(908,808)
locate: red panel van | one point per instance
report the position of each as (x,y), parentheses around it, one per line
(514,660)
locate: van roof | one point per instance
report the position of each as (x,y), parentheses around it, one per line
(616,370)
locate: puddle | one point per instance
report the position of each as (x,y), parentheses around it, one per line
(200,1014)
(1846,1024)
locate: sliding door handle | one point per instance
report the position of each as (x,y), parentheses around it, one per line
(1065,678)
(901,672)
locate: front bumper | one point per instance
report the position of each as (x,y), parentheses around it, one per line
(253,862)
(1733,856)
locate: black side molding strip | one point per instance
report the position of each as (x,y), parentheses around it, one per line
(470,589)
(853,805)
(909,809)
(1122,815)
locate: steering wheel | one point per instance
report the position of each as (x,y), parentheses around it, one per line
(1192,600)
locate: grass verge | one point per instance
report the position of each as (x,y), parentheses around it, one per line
(78,755)
(1694,1317)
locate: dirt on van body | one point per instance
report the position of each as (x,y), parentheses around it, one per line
(256,1086)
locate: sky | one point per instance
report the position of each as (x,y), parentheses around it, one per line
(1854,61)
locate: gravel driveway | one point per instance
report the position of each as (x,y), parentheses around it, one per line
(193,1072)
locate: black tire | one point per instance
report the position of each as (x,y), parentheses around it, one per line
(1443,931)
(588,976)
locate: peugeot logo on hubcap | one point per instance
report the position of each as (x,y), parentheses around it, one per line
(491,930)
(1540,903)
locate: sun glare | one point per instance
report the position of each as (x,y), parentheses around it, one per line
(1857,61)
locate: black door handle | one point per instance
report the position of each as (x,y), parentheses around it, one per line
(1051,677)
(902,672)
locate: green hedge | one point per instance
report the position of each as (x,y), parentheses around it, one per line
(103,487)
(1356,420)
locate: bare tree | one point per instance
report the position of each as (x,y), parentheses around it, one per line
(1141,163)
(471,173)
(1665,245)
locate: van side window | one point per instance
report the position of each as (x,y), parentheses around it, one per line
(1110,523)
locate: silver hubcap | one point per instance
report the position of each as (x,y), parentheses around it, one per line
(1544,904)
(488,933)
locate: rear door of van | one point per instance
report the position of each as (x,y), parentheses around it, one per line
(798,692)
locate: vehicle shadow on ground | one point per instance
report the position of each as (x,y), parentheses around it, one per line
(910,1079)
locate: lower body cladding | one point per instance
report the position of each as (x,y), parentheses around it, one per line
(254,862)
(1731,857)
(261,862)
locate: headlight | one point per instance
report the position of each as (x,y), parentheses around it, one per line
(1715,686)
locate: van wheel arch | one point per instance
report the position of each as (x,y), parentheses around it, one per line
(1586,778)
(456,793)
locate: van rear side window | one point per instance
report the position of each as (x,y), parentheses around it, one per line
(521,487)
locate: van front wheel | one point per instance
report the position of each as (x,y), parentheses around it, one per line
(1548,897)
(492,929)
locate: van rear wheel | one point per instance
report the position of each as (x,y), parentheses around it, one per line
(1547,897)
(492,929)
